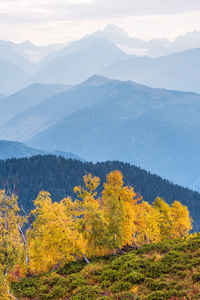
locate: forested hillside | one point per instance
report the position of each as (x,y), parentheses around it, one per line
(59,176)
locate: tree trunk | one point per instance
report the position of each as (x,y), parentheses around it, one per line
(75,256)
(26,250)
(85,258)
(56,267)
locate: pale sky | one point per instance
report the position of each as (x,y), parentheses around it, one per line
(57,21)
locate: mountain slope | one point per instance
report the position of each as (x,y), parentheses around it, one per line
(27,97)
(2,96)
(133,45)
(166,270)
(78,66)
(190,40)
(9,149)
(9,53)
(11,77)
(179,71)
(155,129)
(35,119)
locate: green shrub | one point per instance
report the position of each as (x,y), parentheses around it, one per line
(71,278)
(43,288)
(178,267)
(78,283)
(196,277)
(135,277)
(25,283)
(120,286)
(30,292)
(86,292)
(195,262)
(158,295)
(156,269)
(71,268)
(110,275)
(125,296)
(43,296)
(182,274)
(154,286)
(57,292)
(105,284)
(53,280)
(146,248)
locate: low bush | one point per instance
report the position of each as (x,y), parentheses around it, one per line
(125,296)
(154,286)
(196,277)
(71,268)
(30,292)
(105,284)
(135,277)
(43,288)
(110,275)
(120,286)
(86,292)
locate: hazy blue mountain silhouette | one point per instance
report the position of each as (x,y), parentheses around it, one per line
(39,117)
(81,64)
(11,77)
(178,71)
(23,99)
(10,149)
(155,129)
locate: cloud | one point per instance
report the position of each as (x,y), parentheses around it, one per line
(43,20)
(150,7)
(44,10)
(101,9)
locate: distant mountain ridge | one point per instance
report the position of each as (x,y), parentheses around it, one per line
(29,96)
(177,71)
(153,47)
(119,37)
(9,149)
(35,119)
(103,119)
(76,61)
(75,67)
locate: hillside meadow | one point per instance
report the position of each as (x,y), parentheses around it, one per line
(116,246)
(165,270)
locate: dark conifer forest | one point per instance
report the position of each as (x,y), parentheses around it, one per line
(57,175)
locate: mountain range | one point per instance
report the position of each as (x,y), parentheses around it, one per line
(153,47)
(103,119)
(99,53)
(75,67)
(111,115)
(177,71)
(153,128)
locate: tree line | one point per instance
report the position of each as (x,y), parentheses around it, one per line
(57,175)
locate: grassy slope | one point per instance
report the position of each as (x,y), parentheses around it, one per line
(168,270)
